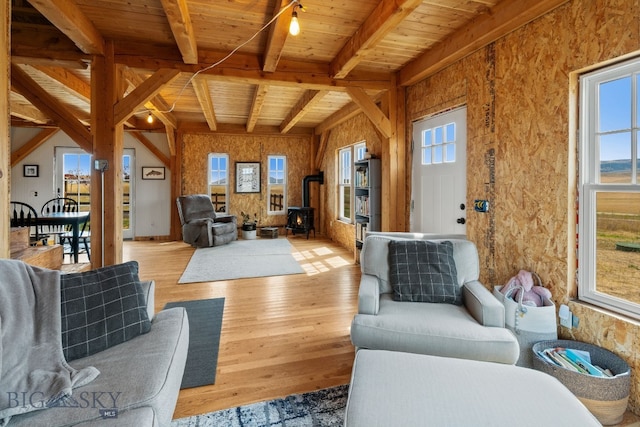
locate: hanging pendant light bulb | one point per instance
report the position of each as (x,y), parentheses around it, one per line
(150,118)
(294,27)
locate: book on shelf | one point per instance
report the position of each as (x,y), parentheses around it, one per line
(362,177)
(362,205)
(361,230)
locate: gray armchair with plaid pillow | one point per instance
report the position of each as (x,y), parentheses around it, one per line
(420,293)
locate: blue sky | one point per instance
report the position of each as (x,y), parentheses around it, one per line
(616,115)
(83,162)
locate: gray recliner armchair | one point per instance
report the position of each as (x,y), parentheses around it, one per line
(474,329)
(201,226)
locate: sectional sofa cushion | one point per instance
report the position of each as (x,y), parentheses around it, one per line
(101,308)
(423,271)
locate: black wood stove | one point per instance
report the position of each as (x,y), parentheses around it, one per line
(300,219)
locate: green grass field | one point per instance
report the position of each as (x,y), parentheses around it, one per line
(618,220)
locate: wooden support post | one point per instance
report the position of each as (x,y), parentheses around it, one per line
(106,188)
(176,187)
(393,163)
(398,117)
(5,141)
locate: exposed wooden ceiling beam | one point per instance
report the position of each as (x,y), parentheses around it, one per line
(256,106)
(38,45)
(246,68)
(177,13)
(151,147)
(236,129)
(142,93)
(324,137)
(69,19)
(503,18)
(71,83)
(35,142)
(157,105)
(278,33)
(201,88)
(371,110)
(28,112)
(304,104)
(74,63)
(384,18)
(171,139)
(50,106)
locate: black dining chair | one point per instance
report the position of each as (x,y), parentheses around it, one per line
(84,237)
(59,204)
(24,215)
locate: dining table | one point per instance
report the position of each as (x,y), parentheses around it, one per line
(73,219)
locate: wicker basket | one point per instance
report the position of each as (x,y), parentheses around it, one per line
(606,398)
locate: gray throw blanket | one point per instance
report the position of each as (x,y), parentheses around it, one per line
(33,372)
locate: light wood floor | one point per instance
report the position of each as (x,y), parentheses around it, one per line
(280,335)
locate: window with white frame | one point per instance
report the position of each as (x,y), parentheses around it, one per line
(219,181)
(346,157)
(276,185)
(609,188)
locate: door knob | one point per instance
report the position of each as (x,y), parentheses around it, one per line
(461,220)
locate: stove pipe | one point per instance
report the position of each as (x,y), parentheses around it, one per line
(305,186)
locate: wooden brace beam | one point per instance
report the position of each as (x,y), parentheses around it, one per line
(141,94)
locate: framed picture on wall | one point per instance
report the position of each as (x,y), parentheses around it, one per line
(247,177)
(152,172)
(31,171)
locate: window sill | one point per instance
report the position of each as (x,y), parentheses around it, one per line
(581,306)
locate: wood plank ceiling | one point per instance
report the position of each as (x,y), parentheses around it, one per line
(239,67)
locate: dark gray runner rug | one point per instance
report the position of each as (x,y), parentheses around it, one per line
(322,408)
(205,322)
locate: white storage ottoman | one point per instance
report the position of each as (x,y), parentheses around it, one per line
(403,389)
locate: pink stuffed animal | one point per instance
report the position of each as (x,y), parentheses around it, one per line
(533,295)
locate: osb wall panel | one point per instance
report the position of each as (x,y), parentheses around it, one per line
(247,148)
(517,96)
(357,129)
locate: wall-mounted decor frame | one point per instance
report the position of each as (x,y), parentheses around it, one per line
(247,177)
(153,172)
(31,171)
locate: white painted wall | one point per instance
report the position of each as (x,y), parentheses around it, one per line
(152,197)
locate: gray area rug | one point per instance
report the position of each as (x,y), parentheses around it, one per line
(205,323)
(322,408)
(241,259)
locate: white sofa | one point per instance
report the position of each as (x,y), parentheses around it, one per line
(473,330)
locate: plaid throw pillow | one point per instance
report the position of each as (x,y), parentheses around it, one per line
(101,308)
(423,271)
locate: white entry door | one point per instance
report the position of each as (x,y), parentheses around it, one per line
(439,174)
